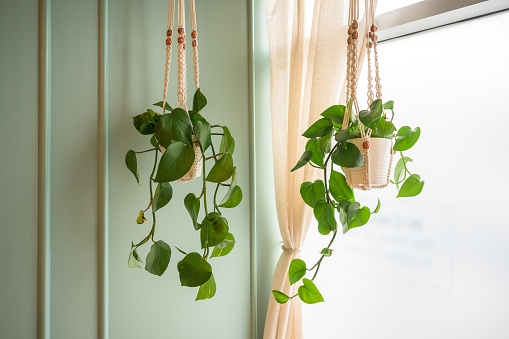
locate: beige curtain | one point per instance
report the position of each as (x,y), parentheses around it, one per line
(307,76)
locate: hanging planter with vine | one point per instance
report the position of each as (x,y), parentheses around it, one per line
(184,146)
(354,149)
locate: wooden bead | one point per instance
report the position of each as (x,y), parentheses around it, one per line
(349,40)
(374,38)
(369,44)
(168,41)
(350,30)
(180,40)
(184,46)
(169,33)
(355,35)
(181,30)
(366,145)
(194,43)
(194,34)
(355,24)
(373,28)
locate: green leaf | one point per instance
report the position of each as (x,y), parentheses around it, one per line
(324,214)
(320,128)
(406,138)
(224,247)
(377,208)
(175,162)
(146,122)
(399,170)
(371,117)
(309,293)
(192,204)
(162,196)
(202,131)
(338,187)
(384,129)
(207,290)
(336,113)
(214,230)
(312,192)
(222,169)
(158,258)
(348,156)
(389,105)
(327,252)
(227,142)
(411,187)
(317,153)
(304,159)
(134,259)
(175,126)
(199,101)
(297,270)
(153,141)
(234,195)
(280,297)
(160,104)
(132,164)
(233,198)
(194,270)
(357,216)
(342,135)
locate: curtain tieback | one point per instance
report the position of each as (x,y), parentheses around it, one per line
(289,250)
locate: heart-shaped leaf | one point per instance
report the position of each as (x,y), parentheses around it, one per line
(202,131)
(134,259)
(280,297)
(199,101)
(412,186)
(324,214)
(222,169)
(224,247)
(297,270)
(406,138)
(348,156)
(214,230)
(304,159)
(192,204)
(227,142)
(335,113)
(312,192)
(338,187)
(132,164)
(309,293)
(318,129)
(371,117)
(162,196)
(175,162)
(207,290)
(174,126)
(158,258)
(194,270)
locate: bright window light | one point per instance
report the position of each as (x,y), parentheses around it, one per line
(385,6)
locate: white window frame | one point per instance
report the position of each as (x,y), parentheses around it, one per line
(429,14)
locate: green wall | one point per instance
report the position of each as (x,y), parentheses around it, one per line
(68,202)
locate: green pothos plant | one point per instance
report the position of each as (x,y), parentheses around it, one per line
(329,150)
(178,132)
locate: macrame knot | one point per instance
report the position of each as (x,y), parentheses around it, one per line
(289,250)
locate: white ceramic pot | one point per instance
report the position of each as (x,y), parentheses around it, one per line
(376,171)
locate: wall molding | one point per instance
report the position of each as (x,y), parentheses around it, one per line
(44,172)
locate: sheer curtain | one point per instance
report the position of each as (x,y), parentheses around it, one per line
(307,76)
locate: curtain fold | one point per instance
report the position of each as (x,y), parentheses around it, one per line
(308,71)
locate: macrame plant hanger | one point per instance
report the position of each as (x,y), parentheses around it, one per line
(365,144)
(196,169)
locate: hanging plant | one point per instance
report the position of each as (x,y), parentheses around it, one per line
(354,149)
(184,146)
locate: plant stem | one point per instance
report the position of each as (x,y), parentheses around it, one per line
(319,262)
(215,199)
(148,150)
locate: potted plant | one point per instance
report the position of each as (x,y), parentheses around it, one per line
(337,145)
(173,138)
